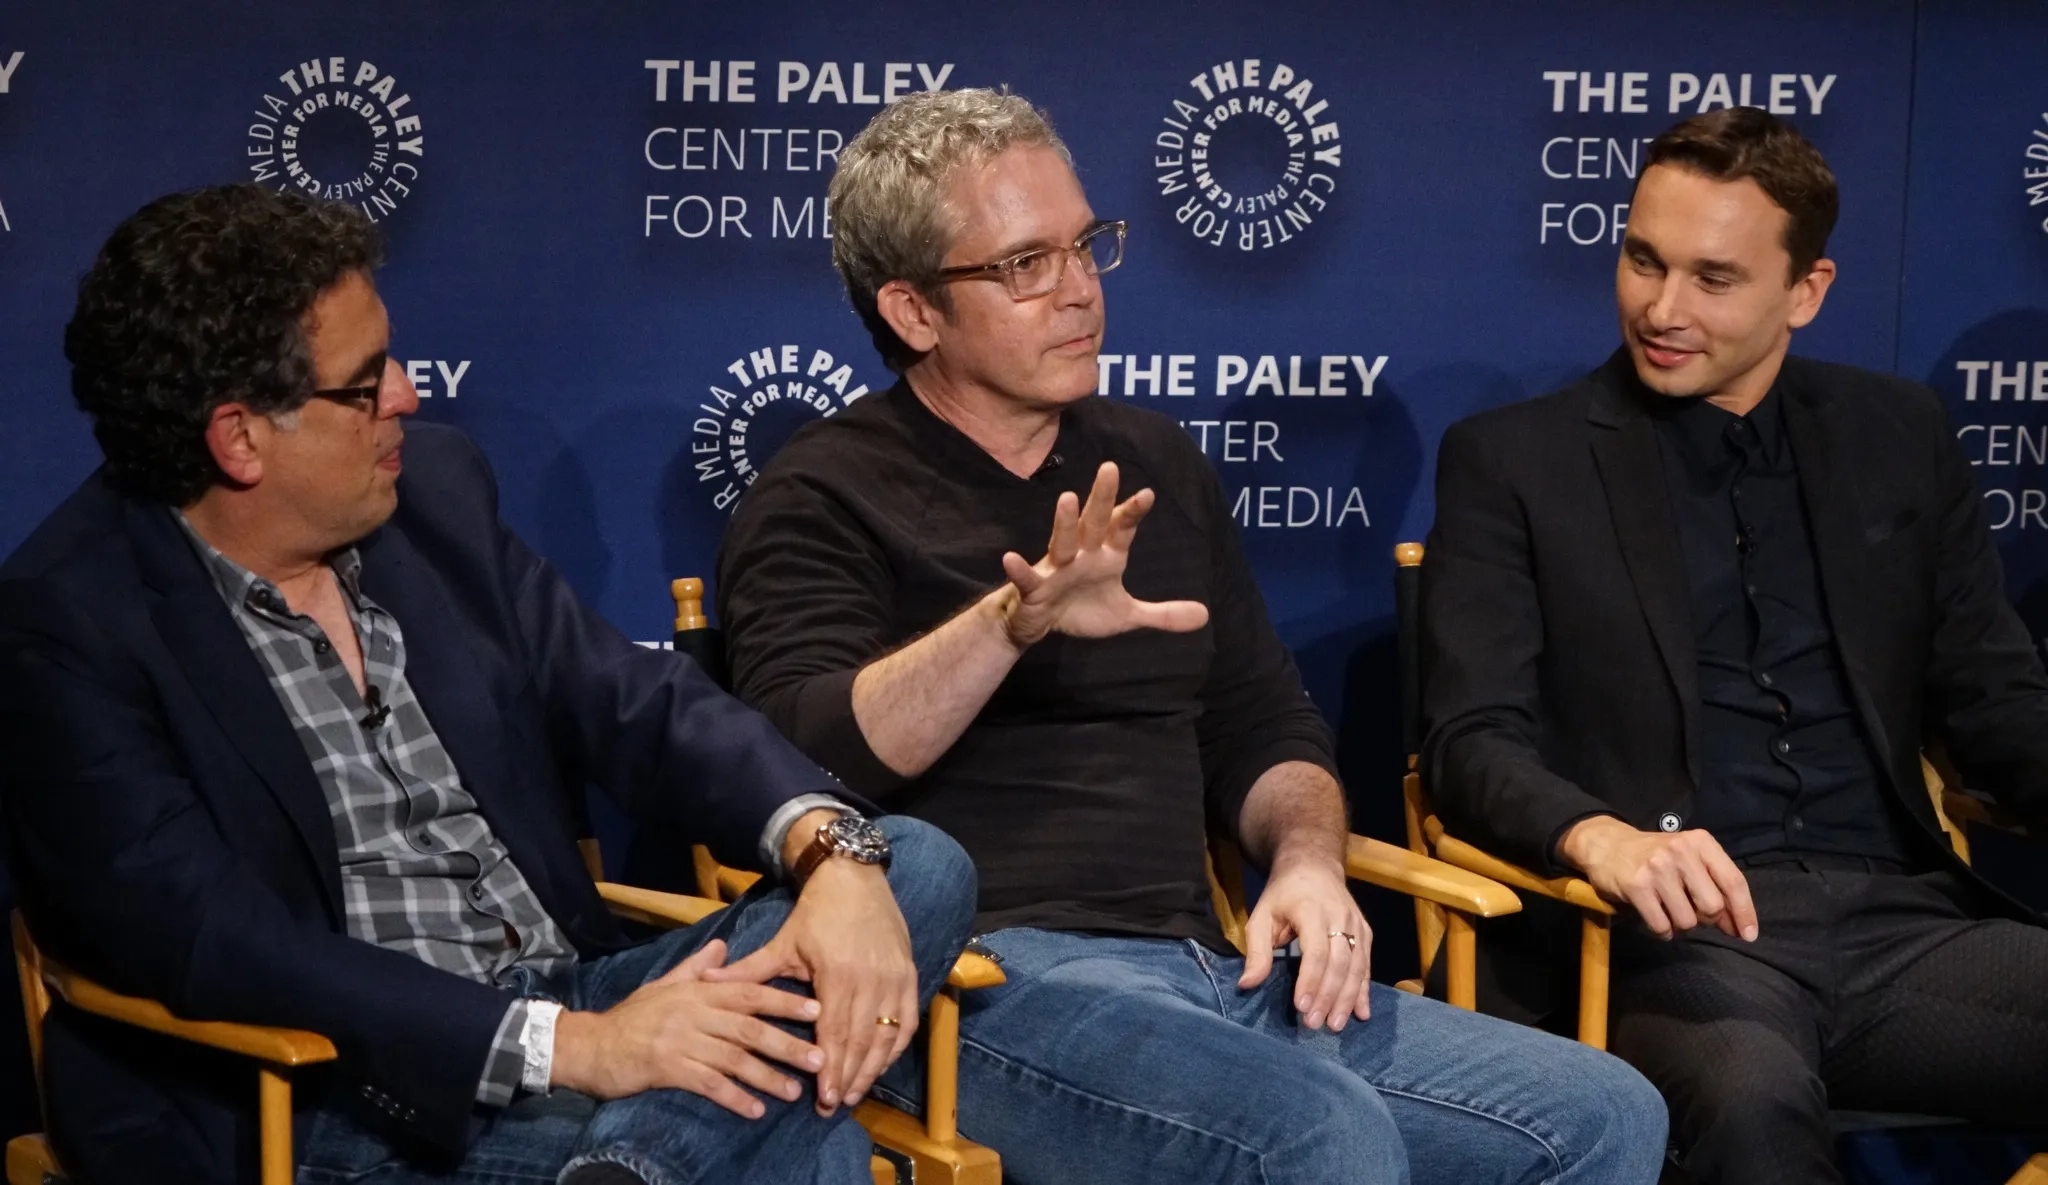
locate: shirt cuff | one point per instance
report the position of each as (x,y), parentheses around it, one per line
(506,1061)
(784,818)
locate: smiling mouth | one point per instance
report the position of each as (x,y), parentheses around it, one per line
(1663,355)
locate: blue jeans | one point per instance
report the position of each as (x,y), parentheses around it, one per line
(1139,1060)
(673,1137)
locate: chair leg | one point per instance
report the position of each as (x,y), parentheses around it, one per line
(1595,936)
(934,1147)
(1461,971)
(274,1109)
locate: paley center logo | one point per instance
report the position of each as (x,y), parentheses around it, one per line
(9,63)
(341,131)
(1249,156)
(2036,170)
(742,422)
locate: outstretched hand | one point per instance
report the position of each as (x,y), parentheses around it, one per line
(1078,587)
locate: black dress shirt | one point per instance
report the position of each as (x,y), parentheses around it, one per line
(1085,787)
(1784,765)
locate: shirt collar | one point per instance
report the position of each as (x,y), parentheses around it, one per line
(238,586)
(1702,427)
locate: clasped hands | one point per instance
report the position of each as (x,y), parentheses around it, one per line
(704,1026)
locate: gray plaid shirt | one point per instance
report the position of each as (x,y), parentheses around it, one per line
(421,870)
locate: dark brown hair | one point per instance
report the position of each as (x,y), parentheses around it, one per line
(1738,143)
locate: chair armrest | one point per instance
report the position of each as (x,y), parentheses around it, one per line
(283,1047)
(1962,807)
(1568,889)
(734,881)
(654,908)
(1403,871)
(975,971)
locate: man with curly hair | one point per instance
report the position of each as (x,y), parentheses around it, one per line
(291,730)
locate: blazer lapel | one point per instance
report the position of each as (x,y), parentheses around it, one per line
(1632,477)
(198,630)
(466,707)
(1834,514)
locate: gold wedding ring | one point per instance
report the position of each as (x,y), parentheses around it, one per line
(1349,939)
(890,1021)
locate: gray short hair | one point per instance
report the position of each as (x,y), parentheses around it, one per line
(888,221)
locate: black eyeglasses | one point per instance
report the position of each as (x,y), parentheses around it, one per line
(1034,273)
(363,398)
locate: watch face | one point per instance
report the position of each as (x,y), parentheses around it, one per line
(851,835)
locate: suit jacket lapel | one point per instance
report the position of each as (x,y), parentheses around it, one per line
(1632,476)
(200,633)
(1834,515)
(465,706)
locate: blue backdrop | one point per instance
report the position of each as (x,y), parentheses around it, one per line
(1351,224)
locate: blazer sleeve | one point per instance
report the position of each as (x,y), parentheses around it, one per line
(649,727)
(1482,641)
(1986,690)
(125,874)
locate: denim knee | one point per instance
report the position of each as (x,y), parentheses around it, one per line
(1618,1122)
(934,882)
(1339,1130)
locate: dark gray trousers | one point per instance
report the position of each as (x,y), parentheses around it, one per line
(1867,989)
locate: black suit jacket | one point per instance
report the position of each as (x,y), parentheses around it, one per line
(169,837)
(1558,656)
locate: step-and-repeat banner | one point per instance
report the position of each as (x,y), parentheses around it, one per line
(1351,224)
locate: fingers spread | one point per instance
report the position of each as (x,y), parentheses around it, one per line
(1176,617)
(1021,574)
(1066,530)
(1101,503)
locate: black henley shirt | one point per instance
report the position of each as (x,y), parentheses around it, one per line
(1085,788)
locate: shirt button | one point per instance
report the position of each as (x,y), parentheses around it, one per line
(476,892)
(1798,824)
(1783,747)
(424,840)
(1669,822)
(1750,589)
(321,646)
(1764,677)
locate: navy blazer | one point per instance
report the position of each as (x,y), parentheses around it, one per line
(169,838)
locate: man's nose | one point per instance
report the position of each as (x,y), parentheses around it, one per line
(396,396)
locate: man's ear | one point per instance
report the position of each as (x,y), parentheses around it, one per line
(1809,291)
(909,314)
(236,437)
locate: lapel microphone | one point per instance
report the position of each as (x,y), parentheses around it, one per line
(379,710)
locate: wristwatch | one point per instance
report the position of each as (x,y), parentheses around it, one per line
(847,835)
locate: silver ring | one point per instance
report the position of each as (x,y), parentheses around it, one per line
(1351,940)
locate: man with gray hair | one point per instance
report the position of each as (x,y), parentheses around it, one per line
(1085,719)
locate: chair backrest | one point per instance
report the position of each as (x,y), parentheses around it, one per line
(1430,921)
(696,637)
(35,994)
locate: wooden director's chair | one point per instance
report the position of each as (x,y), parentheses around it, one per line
(1458,896)
(1426,834)
(276,1052)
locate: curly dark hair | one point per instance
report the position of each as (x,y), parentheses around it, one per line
(199,299)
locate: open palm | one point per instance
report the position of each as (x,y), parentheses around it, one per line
(1078,587)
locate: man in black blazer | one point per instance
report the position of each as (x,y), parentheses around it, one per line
(1688,625)
(292,739)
